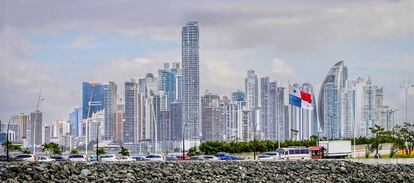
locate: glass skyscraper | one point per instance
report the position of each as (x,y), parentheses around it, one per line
(131,101)
(330,100)
(96,91)
(110,106)
(191,81)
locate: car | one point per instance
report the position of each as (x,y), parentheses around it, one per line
(92,158)
(171,158)
(197,158)
(180,156)
(269,156)
(226,156)
(77,157)
(25,157)
(4,158)
(125,158)
(108,157)
(59,158)
(44,159)
(210,158)
(154,157)
(139,158)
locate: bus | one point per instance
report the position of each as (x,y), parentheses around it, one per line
(294,153)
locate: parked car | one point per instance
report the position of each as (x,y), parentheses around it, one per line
(4,158)
(210,158)
(171,158)
(226,156)
(44,159)
(154,157)
(108,157)
(92,158)
(197,158)
(59,158)
(264,157)
(180,156)
(125,158)
(77,157)
(25,157)
(269,156)
(139,158)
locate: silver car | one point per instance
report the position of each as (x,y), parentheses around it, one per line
(25,157)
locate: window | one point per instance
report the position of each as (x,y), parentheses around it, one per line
(291,151)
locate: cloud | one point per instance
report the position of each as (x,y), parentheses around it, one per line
(82,42)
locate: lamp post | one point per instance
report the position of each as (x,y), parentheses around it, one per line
(406,86)
(8,144)
(392,111)
(35,121)
(97,141)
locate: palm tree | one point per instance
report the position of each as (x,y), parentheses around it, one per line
(124,151)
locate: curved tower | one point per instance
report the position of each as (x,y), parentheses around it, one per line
(330,96)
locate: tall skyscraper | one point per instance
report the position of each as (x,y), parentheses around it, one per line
(75,120)
(110,106)
(330,100)
(191,81)
(119,123)
(23,126)
(252,103)
(36,122)
(96,92)
(265,112)
(238,96)
(131,101)
(47,134)
(168,82)
(175,120)
(370,108)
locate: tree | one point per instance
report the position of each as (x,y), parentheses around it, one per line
(74,151)
(124,151)
(377,131)
(101,151)
(52,148)
(26,151)
(9,145)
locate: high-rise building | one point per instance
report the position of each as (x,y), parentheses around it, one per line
(238,96)
(252,103)
(22,126)
(168,82)
(280,113)
(235,120)
(92,98)
(60,128)
(330,100)
(211,117)
(175,121)
(131,102)
(265,111)
(47,134)
(191,82)
(370,108)
(75,121)
(119,122)
(110,106)
(36,121)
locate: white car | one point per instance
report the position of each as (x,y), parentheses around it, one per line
(25,157)
(155,157)
(268,156)
(77,157)
(44,159)
(210,158)
(108,157)
(125,158)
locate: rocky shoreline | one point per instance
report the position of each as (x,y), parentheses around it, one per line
(211,172)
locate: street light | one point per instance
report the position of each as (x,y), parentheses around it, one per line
(34,123)
(406,86)
(97,141)
(7,139)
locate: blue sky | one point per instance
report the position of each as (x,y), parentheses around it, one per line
(55,45)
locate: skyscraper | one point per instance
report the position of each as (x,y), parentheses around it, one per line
(191,81)
(265,110)
(370,108)
(238,96)
(75,120)
(110,106)
(330,100)
(130,123)
(211,117)
(168,83)
(93,93)
(36,121)
(252,103)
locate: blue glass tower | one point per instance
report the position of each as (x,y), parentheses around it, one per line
(96,91)
(168,84)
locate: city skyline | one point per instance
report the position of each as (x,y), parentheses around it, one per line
(57,61)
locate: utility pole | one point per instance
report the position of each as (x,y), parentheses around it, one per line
(406,86)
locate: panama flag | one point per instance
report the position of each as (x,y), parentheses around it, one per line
(300,98)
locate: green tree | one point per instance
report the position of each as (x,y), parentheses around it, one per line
(26,151)
(378,132)
(9,145)
(52,148)
(101,151)
(74,151)
(124,151)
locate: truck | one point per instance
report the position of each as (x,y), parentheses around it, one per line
(335,149)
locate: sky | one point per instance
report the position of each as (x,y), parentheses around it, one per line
(54,45)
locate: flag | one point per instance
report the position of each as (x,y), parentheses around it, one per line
(300,98)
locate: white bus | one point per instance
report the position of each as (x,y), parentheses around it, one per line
(294,153)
